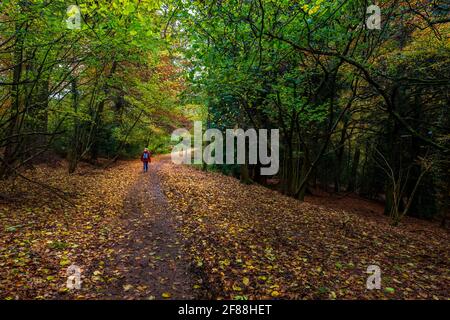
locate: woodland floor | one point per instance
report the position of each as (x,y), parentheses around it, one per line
(179,233)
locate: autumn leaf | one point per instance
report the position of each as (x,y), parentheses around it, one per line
(127,287)
(64,262)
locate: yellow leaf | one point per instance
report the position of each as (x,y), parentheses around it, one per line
(127,287)
(275,294)
(64,262)
(236,288)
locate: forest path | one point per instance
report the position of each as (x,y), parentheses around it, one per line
(152,254)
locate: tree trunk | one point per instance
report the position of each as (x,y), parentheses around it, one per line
(97,124)
(339,157)
(303,175)
(12,141)
(74,151)
(354,171)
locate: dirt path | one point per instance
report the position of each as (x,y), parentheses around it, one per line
(150,259)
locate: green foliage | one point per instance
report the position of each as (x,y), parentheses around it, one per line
(312,69)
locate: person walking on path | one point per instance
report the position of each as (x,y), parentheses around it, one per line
(146,158)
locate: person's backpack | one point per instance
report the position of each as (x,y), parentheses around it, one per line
(145,156)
